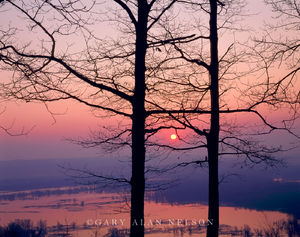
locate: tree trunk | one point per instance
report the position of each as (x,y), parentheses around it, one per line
(213,136)
(138,178)
(138,126)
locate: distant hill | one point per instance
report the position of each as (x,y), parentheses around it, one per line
(17,175)
(256,187)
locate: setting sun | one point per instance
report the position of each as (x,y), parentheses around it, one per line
(173,136)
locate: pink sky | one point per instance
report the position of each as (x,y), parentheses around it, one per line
(46,139)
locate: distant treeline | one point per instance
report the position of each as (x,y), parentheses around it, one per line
(25,195)
(24,228)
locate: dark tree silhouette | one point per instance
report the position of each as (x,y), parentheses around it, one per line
(129,77)
(207,103)
(108,75)
(280,45)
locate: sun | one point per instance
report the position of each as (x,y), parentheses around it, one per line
(173,136)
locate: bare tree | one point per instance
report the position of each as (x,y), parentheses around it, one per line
(144,76)
(280,45)
(108,75)
(221,87)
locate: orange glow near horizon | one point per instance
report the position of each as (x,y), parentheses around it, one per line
(67,119)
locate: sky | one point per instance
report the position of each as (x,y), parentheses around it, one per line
(46,134)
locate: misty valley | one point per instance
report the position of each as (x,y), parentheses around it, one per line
(63,207)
